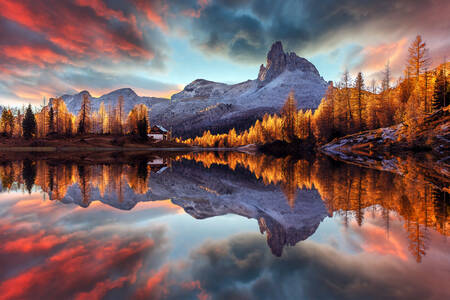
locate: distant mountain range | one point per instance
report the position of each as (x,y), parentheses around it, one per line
(73,102)
(205,104)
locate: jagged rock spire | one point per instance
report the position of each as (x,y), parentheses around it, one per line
(278,61)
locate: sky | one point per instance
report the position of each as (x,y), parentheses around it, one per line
(55,47)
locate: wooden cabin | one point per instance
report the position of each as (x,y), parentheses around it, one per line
(158,133)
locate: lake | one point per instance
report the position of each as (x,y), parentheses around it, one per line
(220,225)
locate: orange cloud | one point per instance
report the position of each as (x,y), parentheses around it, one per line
(376,57)
(156,285)
(18,12)
(33,55)
(74,30)
(192,285)
(153,11)
(37,242)
(375,241)
(102,10)
(81,270)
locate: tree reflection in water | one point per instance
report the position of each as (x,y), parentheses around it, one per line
(346,190)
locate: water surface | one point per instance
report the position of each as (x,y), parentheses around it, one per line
(220,225)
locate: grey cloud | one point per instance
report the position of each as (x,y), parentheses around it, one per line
(245,30)
(242,267)
(91,78)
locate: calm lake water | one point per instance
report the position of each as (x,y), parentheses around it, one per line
(220,226)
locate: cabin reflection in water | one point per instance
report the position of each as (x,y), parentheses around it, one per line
(289,198)
(158,165)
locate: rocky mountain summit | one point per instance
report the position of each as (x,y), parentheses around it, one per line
(278,62)
(284,72)
(208,105)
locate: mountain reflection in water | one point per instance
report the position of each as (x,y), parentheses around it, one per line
(289,198)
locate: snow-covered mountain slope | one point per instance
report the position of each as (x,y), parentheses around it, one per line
(73,102)
(204,104)
(217,106)
(284,72)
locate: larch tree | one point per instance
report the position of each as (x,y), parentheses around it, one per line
(359,87)
(103,118)
(323,118)
(418,58)
(7,122)
(346,83)
(386,115)
(18,123)
(289,114)
(386,83)
(84,115)
(120,112)
(138,120)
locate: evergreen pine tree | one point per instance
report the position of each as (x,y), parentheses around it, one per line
(29,174)
(441,91)
(51,120)
(29,125)
(142,128)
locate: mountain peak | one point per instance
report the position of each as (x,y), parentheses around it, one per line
(278,61)
(122,91)
(84,92)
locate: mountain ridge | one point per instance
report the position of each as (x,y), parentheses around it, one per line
(215,106)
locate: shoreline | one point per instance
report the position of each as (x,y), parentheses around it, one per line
(88,149)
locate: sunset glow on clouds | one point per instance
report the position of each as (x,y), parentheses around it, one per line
(61,251)
(53,47)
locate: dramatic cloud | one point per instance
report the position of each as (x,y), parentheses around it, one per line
(244,30)
(55,250)
(49,249)
(60,40)
(241,267)
(307,27)
(44,45)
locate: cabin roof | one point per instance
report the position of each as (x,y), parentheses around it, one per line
(158,129)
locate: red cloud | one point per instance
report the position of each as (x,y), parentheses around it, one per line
(153,11)
(37,242)
(102,10)
(34,55)
(81,31)
(81,270)
(156,285)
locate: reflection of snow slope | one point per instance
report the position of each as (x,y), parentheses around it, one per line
(205,193)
